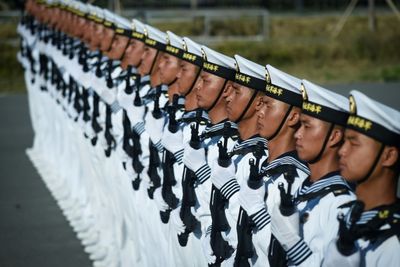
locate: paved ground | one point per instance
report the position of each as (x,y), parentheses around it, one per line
(33,231)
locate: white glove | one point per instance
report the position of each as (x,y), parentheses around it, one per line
(206,246)
(135,114)
(154,127)
(146,183)
(285,228)
(194,159)
(221,175)
(101,119)
(173,142)
(123,157)
(81,122)
(159,200)
(124,99)
(129,170)
(72,111)
(252,201)
(176,222)
(88,129)
(102,141)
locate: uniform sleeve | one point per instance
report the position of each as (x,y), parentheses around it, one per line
(242,175)
(202,213)
(262,239)
(144,144)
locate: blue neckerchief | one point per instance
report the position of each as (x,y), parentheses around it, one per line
(288,158)
(243,147)
(329,179)
(193,116)
(218,130)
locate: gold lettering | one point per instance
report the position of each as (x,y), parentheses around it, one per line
(313,108)
(359,123)
(210,67)
(150,42)
(137,35)
(189,57)
(243,78)
(274,90)
(172,49)
(119,30)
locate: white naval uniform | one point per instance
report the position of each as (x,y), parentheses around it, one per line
(242,173)
(318,220)
(262,231)
(382,251)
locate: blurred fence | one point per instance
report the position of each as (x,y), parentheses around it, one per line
(209,22)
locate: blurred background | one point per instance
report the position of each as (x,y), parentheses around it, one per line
(341,44)
(325,41)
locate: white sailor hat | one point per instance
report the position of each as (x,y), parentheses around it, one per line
(68,5)
(99,14)
(71,5)
(155,38)
(218,64)
(249,74)
(90,12)
(192,52)
(138,30)
(191,46)
(78,8)
(324,104)
(52,3)
(173,44)
(283,86)
(374,119)
(122,26)
(108,19)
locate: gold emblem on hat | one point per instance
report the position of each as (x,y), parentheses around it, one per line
(146,33)
(268,80)
(303,92)
(353,106)
(184,45)
(203,54)
(383,214)
(267,76)
(237,66)
(167,40)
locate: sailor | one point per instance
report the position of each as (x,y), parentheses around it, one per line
(369,228)
(242,98)
(184,244)
(217,72)
(305,232)
(278,119)
(147,124)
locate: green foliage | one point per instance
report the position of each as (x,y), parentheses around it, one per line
(8,30)
(391,73)
(11,73)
